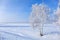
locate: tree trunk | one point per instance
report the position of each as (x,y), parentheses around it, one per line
(41,30)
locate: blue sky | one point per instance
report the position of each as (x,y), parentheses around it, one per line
(19,10)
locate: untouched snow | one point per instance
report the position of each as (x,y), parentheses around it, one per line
(51,32)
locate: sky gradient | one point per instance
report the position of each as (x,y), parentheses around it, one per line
(19,10)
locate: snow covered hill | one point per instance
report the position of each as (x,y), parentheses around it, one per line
(51,32)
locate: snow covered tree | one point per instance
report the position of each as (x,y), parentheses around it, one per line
(39,16)
(57,13)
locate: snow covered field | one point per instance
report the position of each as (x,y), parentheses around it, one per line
(51,32)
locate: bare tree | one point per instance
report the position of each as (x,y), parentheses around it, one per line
(39,16)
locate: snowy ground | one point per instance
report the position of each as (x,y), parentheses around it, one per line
(51,32)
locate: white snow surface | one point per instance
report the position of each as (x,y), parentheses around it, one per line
(51,32)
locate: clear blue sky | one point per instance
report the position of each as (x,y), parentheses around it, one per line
(19,10)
